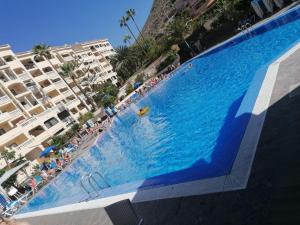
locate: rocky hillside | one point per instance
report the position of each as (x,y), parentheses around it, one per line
(160,11)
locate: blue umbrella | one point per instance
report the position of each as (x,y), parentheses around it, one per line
(47,151)
(136,85)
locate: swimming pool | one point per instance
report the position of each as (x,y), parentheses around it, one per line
(194,128)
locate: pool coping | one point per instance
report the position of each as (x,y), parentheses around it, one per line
(236,180)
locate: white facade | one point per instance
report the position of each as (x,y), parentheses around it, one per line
(36,103)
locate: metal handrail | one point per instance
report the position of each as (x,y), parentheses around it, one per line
(104,180)
(90,178)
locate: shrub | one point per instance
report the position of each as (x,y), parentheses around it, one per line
(167,61)
(139,78)
(129,89)
(85,117)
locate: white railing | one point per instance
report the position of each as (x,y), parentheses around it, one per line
(52,74)
(24,76)
(60,84)
(24,123)
(15,113)
(67,93)
(68,58)
(76,89)
(73,102)
(4,99)
(26,144)
(68,79)
(4,116)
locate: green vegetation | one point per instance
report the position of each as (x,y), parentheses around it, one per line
(129,89)
(68,70)
(7,156)
(106,94)
(168,60)
(131,59)
(85,117)
(140,78)
(10,181)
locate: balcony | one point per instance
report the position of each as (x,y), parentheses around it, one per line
(68,58)
(4,117)
(24,76)
(15,113)
(52,75)
(49,88)
(68,80)
(9,115)
(4,100)
(76,89)
(2,63)
(73,103)
(26,144)
(28,64)
(26,122)
(67,93)
(60,84)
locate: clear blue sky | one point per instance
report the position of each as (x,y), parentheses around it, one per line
(25,23)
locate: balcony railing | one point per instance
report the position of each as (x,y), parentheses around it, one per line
(24,76)
(24,123)
(4,99)
(2,63)
(15,113)
(60,84)
(68,58)
(25,144)
(52,75)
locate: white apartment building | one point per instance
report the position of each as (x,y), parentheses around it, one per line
(36,103)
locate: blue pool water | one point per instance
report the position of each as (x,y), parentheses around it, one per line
(194,127)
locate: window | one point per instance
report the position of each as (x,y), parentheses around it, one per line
(9,58)
(51,122)
(2,131)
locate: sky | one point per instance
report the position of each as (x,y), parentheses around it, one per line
(24,23)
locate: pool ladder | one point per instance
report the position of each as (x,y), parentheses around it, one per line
(89,181)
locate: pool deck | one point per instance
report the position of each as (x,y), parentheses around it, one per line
(272,195)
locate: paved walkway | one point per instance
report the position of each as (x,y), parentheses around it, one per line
(273,192)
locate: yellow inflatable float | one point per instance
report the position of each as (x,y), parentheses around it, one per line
(143,111)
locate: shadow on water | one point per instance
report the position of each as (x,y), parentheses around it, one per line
(273,184)
(222,158)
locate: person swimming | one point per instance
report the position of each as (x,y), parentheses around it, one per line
(143,111)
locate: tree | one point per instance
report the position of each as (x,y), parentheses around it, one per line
(68,69)
(85,117)
(123,23)
(130,14)
(106,94)
(8,155)
(129,89)
(126,61)
(140,78)
(178,28)
(58,141)
(10,181)
(126,39)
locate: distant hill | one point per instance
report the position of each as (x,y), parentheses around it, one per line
(158,17)
(163,9)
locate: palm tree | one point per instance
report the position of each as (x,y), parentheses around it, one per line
(123,23)
(43,51)
(126,39)
(126,61)
(68,70)
(130,14)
